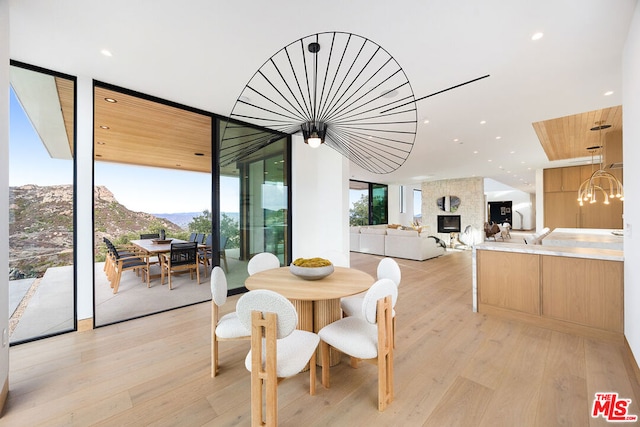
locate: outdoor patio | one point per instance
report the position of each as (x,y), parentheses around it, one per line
(44,306)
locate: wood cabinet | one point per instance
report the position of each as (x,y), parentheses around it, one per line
(498,271)
(554,290)
(584,291)
(561,207)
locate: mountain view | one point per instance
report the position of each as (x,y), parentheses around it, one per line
(41,226)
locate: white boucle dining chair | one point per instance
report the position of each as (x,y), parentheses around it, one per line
(227,327)
(278,350)
(368,337)
(388,268)
(262,261)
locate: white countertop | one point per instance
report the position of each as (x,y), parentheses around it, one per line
(566,251)
(585,238)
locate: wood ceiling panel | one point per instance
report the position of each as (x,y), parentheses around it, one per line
(65,88)
(568,137)
(147,133)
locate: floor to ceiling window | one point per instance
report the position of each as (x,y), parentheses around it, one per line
(368,203)
(156,169)
(42,204)
(254,179)
(417,206)
(152,175)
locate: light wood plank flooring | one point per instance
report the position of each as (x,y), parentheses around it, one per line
(453,367)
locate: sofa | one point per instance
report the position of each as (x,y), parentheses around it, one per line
(396,243)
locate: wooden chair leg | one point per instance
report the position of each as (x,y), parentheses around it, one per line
(116,281)
(324,356)
(214,357)
(354,362)
(312,375)
(214,341)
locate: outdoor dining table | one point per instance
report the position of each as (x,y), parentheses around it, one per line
(154,248)
(316,301)
(151,247)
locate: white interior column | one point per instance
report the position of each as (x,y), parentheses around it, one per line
(84,202)
(320,205)
(4,199)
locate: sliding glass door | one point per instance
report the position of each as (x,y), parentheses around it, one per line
(42,204)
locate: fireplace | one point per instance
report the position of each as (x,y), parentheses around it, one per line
(448,223)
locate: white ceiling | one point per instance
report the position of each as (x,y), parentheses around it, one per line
(202,53)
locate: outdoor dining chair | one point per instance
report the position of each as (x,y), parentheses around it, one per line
(278,350)
(223,252)
(368,338)
(227,327)
(182,257)
(204,254)
(118,261)
(149,236)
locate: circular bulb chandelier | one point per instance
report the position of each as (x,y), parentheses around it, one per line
(600,182)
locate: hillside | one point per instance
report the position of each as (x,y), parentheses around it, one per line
(41,226)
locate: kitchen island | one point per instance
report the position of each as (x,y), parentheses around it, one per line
(566,288)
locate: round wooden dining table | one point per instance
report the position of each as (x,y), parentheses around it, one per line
(316,301)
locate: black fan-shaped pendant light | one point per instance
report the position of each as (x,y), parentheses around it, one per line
(336,88)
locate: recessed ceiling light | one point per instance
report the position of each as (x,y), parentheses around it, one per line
(475,152)
(609,92)
(426,121)
(106,52)
(421,177)
(537,36)
(104,127)
(482,122)
(512,152)
(490,160)
(498,137)
(523,162)
(111,100)
(455,140)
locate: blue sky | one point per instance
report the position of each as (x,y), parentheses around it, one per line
(142,189)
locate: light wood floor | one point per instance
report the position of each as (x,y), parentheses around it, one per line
(453,367)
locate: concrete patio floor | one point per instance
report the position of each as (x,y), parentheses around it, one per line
(41,307)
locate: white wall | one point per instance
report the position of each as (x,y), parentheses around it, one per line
(84,198)
(631,149)
(4,190)
(395,216)
(320,205)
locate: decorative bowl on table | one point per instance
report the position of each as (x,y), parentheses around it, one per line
(161,241)
(311,268)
